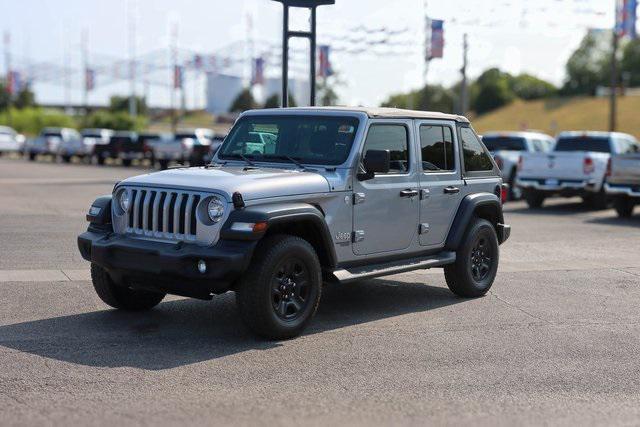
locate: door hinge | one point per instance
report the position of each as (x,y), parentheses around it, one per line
(358,236)
(358,198)
(424,228)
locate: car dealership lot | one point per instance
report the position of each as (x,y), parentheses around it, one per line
(556,339)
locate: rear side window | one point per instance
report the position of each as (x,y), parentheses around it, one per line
(476,159)
(436,147)
(393,138)
(504,143)
(596,144)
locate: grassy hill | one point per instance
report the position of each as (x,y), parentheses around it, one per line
(555,115)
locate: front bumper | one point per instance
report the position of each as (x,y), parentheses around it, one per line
(168,267)
(622,190)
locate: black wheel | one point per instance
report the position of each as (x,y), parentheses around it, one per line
(163,164)
(126,162)
(476,263)
(32,156)
(65,159)
(100,160)
(534,198)
(281,290)
(121,297)
(624,206)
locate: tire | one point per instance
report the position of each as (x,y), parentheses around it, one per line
(164,164)
(281,263)
(66,159)
(623,206)
(466,278)
(534,198)
(32,157)
(121,297)
(100,160)
(126,162)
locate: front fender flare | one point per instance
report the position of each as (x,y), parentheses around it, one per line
(277,214)
(469,206)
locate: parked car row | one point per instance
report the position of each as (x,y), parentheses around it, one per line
(195,146)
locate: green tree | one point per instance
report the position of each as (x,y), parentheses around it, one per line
(5,98)
(274,101)
(493,89)
(589,66)
(630,63)
(244,101)
(121,104)
(118,120)
(528,87)
(25,98)
(430,97)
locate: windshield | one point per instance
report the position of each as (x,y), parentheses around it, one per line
(307,139)
(504,143)
(597,144)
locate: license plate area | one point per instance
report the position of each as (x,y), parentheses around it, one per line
(551,181)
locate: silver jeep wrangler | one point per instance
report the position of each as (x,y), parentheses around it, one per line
(338,195)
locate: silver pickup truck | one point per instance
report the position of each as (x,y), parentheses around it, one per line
(577,166)
(345,194)
(623,182)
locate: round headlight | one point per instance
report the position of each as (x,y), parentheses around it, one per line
(215,209)
(125,201)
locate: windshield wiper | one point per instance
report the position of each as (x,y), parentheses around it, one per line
(243,157)
(285,157)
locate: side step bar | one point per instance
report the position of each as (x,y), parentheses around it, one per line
(347,275)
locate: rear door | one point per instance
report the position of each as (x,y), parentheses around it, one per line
(440,179)
(385,208)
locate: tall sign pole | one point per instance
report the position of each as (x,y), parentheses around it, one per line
(311,35)
(463,86)
(613,101)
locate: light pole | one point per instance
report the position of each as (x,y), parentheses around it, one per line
(311,35)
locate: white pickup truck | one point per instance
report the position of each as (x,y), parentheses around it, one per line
(623,183)
(577,166)
(506,148)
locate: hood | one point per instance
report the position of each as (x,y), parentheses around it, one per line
(251,183)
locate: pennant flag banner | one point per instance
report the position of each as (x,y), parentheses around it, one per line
(178,77)
(437,39)
(325,69)
(89,79)
(15,83)
(626,16)
(257,72)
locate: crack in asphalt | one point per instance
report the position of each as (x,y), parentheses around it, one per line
(496,296)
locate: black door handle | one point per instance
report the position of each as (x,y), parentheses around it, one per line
(408,193)
(451,190)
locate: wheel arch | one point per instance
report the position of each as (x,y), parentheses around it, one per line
(482,205)
(297,219)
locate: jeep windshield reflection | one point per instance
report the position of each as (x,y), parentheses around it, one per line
(319,140)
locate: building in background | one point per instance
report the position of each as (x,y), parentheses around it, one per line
(222,90)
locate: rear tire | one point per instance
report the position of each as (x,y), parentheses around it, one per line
(623,206)
(280,293)
(597,201)
(164,164)
(476,263)
(32,157)
(534,198)
(121,297)
(126,162)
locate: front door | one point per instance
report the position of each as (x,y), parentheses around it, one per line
(440,180)
(385,208)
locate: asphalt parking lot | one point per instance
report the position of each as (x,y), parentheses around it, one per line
(556,341)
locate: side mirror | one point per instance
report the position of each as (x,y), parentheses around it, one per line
(375,161)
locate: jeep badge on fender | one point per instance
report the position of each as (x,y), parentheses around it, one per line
(297,197)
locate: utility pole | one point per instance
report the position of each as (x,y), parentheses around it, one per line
(613,107)
(131,17)
(7,63)
(463,86)
(85,74)
(174,71)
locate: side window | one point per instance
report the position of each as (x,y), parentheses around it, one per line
(393,138)
(475,157)
(436,146)
(538,146)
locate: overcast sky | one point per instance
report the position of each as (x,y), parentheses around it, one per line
(515,35)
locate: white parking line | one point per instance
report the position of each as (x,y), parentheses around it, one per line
(44,275)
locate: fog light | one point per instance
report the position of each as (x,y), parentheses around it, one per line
(202,266)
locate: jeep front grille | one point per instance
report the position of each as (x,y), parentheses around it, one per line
(163,214)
